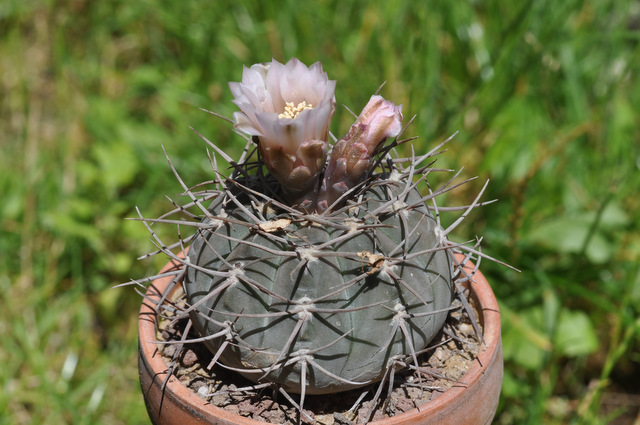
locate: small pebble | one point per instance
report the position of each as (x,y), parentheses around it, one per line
(189,358)
(325,419)
(169,350)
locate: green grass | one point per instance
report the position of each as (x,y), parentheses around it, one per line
(544,95)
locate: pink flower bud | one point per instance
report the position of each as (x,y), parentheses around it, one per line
(380,120)
(352,156)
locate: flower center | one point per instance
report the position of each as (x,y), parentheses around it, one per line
(291,111)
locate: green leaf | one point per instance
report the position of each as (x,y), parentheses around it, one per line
(575,335)
(524,342)
(613,217)
(118,165)
(567,235)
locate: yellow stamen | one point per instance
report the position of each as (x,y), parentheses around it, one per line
(291,111)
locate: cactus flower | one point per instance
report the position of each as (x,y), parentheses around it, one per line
(289,108)
(352,155)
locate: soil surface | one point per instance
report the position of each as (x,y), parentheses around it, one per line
(450,356)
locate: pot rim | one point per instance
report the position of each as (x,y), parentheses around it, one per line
(175,390)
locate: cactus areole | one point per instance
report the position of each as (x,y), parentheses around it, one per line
(316,266)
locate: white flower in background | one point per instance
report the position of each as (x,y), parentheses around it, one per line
(289,108)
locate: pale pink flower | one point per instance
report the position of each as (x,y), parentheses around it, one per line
(289,107)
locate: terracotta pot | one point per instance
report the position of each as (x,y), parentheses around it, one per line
(473,403)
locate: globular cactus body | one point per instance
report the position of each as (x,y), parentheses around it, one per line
(316,269)
(340,297)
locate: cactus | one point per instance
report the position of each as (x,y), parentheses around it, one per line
(317,269)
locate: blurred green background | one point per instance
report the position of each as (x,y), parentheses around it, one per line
(544,95)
